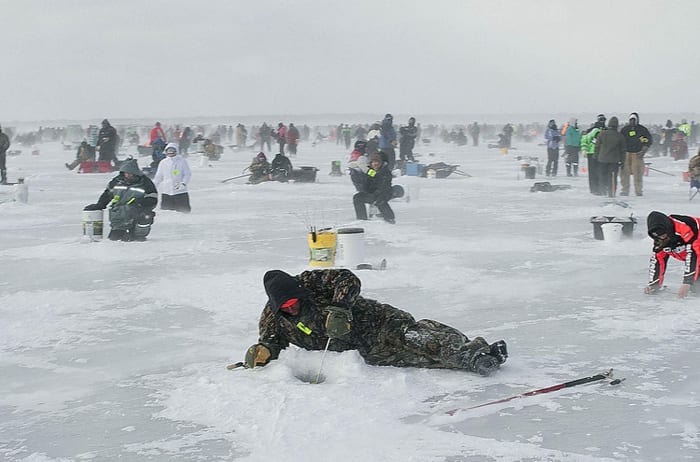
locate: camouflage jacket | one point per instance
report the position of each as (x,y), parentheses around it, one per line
(382,334)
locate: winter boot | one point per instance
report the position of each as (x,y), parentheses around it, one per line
(499,350)
(568,169)
(3,176)
(575,169)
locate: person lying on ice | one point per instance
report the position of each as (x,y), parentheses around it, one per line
(309,309)
(132,196)
(677,236)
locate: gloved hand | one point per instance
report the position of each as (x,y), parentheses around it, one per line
(338,321)
(257,355)
(92,207)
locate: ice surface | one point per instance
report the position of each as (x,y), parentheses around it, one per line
(119,350)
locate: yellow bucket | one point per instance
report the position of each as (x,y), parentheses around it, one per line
(322,248)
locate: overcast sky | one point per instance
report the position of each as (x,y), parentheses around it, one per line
(174,58)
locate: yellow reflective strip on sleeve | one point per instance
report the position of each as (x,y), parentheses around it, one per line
(131,200)
(303,328)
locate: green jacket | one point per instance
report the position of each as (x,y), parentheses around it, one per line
(588,141)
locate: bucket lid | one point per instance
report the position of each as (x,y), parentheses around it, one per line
(350,230)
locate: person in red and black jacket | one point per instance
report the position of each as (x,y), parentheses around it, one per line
(677,236)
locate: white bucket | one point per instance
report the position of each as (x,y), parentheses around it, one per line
(350,247)
(203,161)
(612,232)
(93,223)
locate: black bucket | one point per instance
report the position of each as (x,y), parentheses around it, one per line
(530,172)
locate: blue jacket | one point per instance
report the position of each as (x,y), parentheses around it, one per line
(388,134)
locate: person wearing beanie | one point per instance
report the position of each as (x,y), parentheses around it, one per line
(131,197)
(610,154)
(172,177)
(322,309)
(675,236)
(637,141)
(588,144)
(374,187)
(260,169)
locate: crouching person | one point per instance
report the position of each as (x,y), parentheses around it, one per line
(309,309)
(131,197)
(374,188)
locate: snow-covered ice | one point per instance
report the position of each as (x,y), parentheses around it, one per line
(113,350)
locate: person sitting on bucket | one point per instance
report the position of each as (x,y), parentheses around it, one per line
(259,169)
(132,196)
(323,308)
(677,236)
(374,188)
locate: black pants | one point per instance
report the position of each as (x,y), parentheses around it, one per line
(360,199)
(406,153)
(388,156)
(292,147)
(593,175)
(608,178)
(281,143)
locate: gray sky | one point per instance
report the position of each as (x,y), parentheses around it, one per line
(175,58)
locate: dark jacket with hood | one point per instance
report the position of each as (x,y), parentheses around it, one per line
(610,147)
(107,141)
(128,199)
(382,334)
(637,137)
(682,244)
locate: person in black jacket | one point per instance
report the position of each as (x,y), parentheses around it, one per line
(107,141)
(131,197)
(375,189)
(407,140)
(281,168)
(638,140)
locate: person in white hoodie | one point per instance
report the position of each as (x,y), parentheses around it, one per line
(173,176)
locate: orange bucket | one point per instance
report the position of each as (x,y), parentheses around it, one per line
(686,176)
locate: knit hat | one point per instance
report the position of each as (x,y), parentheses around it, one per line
(281,287)
(374,156)
(659,224)
(613,123)
(634,116)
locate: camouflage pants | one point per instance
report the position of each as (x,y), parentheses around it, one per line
(430,344)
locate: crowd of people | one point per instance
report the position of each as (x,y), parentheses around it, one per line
(323,309)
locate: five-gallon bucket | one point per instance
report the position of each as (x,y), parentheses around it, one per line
(350,247)
(93,223)
(612,232)
(322,248)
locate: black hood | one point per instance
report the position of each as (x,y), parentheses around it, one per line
(280,287)
(658,223)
